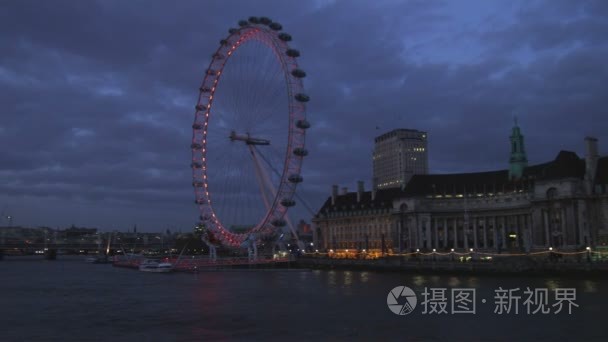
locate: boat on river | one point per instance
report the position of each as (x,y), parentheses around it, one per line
(101,259)
(155,266)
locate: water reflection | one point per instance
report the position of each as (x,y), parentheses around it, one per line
(434,280)
(331,281)
(473,282)
(589,286)
(419,280)
(346,305)
(552,284)
(348,278)
(453,282)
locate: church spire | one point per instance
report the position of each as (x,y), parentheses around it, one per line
(518,160)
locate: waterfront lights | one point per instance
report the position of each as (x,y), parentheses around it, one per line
(452,250)
(588,248)
(331,251)
(347,251)
(364,251)
(434,250)
(471,250)
(550,248)
(316,251)
(417,250)
(312,244)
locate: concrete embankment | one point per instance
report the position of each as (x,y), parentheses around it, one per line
(519,265)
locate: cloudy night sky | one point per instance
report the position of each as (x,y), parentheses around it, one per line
(97,96)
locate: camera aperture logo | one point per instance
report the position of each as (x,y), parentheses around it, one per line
(401,300)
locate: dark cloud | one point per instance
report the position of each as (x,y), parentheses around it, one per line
(97,97)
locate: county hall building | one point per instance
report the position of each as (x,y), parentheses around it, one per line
(561,204)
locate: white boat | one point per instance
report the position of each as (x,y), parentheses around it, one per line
(100,259)
(155,266)
(91,260)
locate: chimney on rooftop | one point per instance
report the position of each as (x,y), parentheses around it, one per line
(591,158)
(359,191)
(334,194)
(374,189)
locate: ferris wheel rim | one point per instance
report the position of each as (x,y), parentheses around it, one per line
(267,33)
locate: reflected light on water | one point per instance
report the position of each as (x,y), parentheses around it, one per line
(348,278)
(331,278)
(419,280)
(364,277)
(453,281)
(589,286)
(552,284)
(434,280)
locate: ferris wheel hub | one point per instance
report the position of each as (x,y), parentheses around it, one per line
(248,139)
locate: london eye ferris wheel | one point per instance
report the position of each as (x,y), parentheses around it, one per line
(249,129)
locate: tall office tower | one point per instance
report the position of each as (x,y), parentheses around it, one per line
(398,155)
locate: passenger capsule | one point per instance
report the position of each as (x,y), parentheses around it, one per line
(200,201)
(275,26)
(265,21)
(223,42)
(278,223)
(295,178)
(300,152)
(286,202)
(200,107)
(303,124)
(196,165)
(196,146)
(299,73)
(217,55)
(254,20)
(211,72)
(197,126)
(302,97)
(204,89)
(292,53)
(233,31)
(243,23)
(285,37)
(198,184)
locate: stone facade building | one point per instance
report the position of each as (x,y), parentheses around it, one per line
(560,204)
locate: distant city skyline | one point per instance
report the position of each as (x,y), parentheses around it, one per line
(97,123)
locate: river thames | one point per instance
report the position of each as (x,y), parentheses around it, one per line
(69,300)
